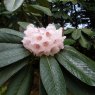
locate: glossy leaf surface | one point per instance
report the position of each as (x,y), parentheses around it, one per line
(10,36)
(7,72)
(78,64)
(52,77)
(11,53)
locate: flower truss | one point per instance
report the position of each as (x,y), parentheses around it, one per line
(43,41)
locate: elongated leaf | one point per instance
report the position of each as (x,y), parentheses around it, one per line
(68,31)
(21,83)
(23,24)
(43,9)
(73,1)
(84,42)
(69,41)
(44,3)
(78,64)
(52,0)
(35,14)
(76,34)
(51,76)
(76,87)
(7,72)
(12,5)
(9,46)
(89,32)
(10,36)
(11,54)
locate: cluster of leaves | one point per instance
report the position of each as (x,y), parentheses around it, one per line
(23,10)
(80,35)
(83,39)
(16,67)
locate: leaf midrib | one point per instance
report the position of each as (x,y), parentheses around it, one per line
(51,74)
(80,55)
(18,34)
(76,69)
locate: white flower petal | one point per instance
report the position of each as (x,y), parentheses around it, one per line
(43,41)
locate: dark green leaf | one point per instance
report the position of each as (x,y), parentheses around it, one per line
(21,83)
(23,24)
(84,42)
(77,87)
(7,72)
(73,1)
(36,14)
(44,3)
(78,64)
(11,53)
(65,16)
(52,0)
(10,36)
(52,76)
(68,31)
(12,5)
(9,46)
(76,34)
(43,9)
(69,41)
(89,32)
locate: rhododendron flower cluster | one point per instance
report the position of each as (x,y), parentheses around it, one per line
(43,41)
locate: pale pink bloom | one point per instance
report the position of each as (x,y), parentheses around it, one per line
(43,41)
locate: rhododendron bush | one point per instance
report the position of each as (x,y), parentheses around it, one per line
(43,52)
(20,51)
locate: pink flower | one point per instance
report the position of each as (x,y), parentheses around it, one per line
(43,41)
